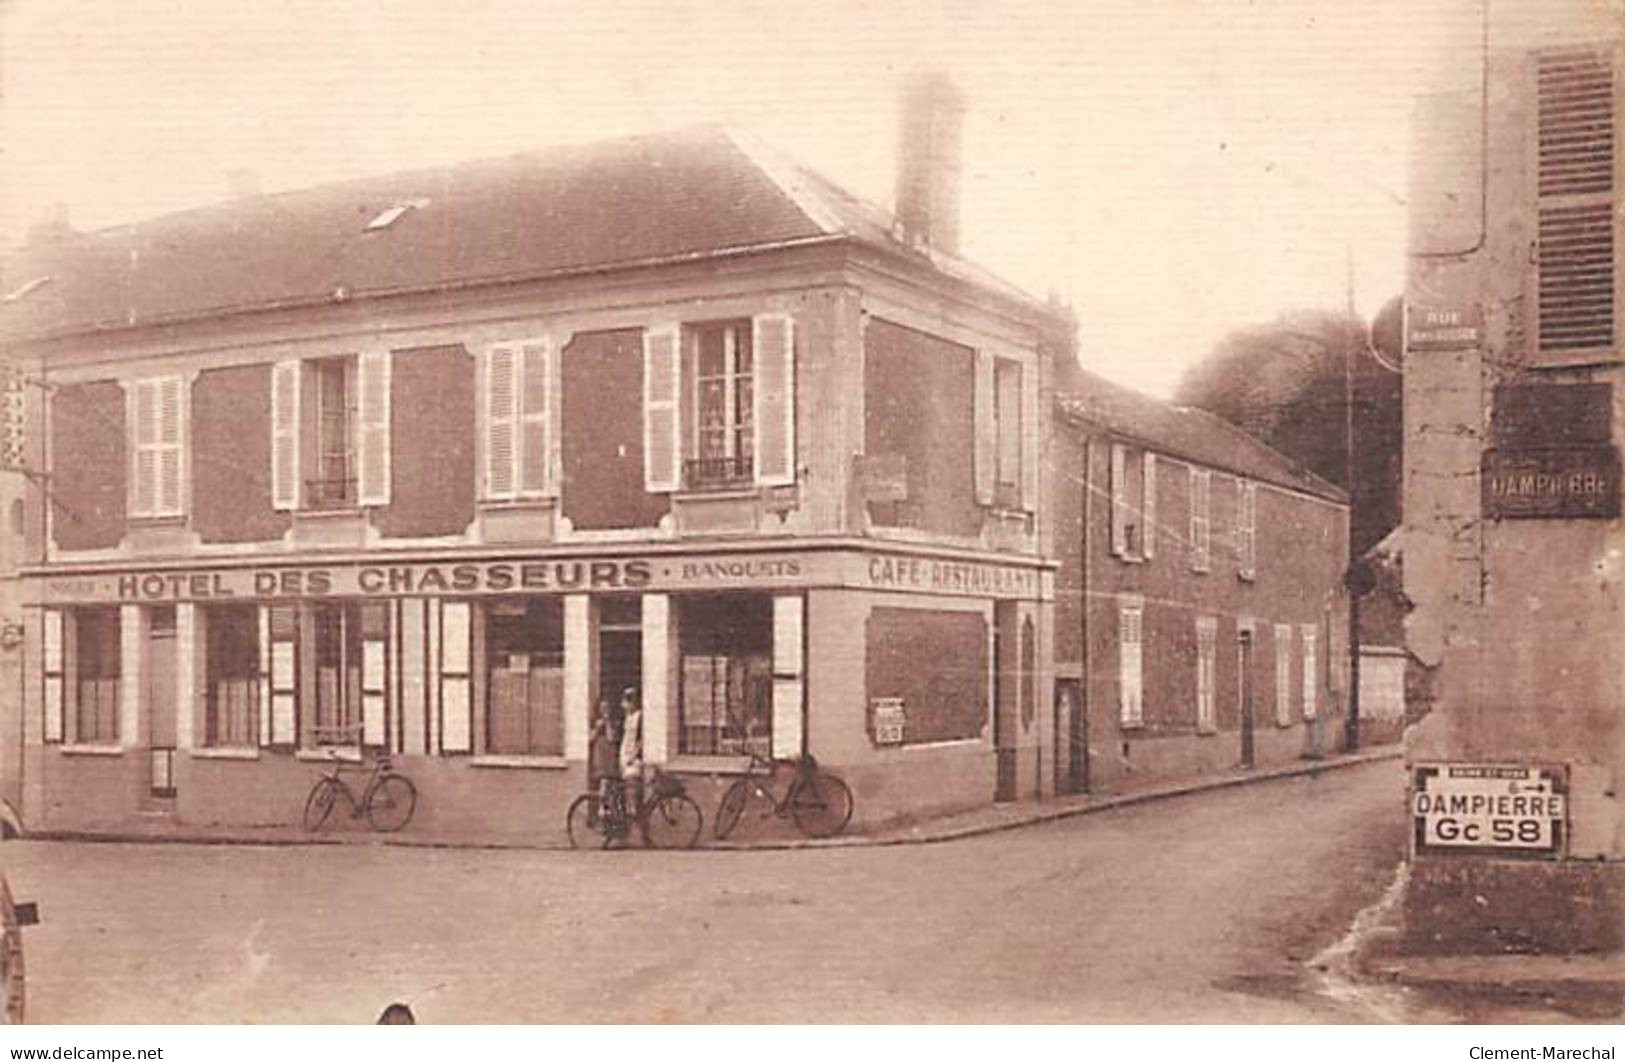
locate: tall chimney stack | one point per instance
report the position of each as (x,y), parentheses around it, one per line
(928,162)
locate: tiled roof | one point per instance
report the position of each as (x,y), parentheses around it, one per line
(1182,431)
(647,199)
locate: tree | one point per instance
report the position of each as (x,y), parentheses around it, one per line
(1284,383)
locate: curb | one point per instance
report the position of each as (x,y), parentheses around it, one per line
(1028,815)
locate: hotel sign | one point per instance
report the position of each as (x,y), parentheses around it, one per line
(1489,809)
(1568,482)
(543,575)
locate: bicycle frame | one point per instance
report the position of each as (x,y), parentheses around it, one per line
(375,775)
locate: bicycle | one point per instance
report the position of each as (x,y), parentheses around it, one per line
(387,800)
(667,817)
(819,802)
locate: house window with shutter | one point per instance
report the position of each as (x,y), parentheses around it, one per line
(330,419)
(1283,674)
(520,421)
(1246,529)
(1201,490)
(158,420)
(734,426)
(1311,669)
(1574,176)
(1007,395)
(1134,500)
(1130,690)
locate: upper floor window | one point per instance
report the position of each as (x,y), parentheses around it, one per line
(330,432)
(1130,657)
(1006,416)
(719,404)
(1134,503)
(723,406)
(520,420)
(159,451)
(1246,529)
(1201,496)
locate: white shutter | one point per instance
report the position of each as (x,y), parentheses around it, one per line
(1119,500)
(773,362)
(144,424)
(662,448)
(987,428)
(456,700)
(1206,644)
(374,689)
(51,650)
(534,409)
(1130,630)
(374,472)
(1148,511)
(170,400)
(1311,669)
(1246,528)
(499,401)
(788,621)
(1201,491)
(285,435)
(263,681)
(1283,674)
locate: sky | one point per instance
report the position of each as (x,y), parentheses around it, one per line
(1173,169)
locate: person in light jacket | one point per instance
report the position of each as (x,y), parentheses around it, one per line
(632,749)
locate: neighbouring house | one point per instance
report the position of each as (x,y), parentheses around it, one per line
(429,464)
(1200,616)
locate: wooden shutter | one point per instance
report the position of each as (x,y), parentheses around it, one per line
(774,398)
(1311,669)
(1201,491)
(1575,180)
(169,406)
(456,678)
(1031,438)
(1246,528)
(1130,629)
(372,486)
(788,683)
(1207,634)
(374,686)
(1148,511)
(1283,674)
(987,428)
(501,363)
(144,454)
(281,626)
(1119,543)
(534,413)
(285,435)
(52,667)
(662,447)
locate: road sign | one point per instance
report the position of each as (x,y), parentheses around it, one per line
(1489,809)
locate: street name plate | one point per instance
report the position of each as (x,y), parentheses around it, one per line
(1442,327)
(1489,809)
(1569,482)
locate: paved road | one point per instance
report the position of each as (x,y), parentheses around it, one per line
(1194,909)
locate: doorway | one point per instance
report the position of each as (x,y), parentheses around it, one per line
(620,646)
(1006,688)
(1244,662)
(1072,728)
(159,696)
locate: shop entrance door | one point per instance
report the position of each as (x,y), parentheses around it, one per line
(159,697)
(1005,690)
(620,646)
(1244,658)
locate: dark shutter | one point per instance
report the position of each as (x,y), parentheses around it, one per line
(1575,176)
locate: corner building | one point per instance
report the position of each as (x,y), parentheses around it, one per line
(428,464)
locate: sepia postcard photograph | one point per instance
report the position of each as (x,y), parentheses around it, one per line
(931,513)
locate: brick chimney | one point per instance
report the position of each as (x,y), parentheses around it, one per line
(928,162)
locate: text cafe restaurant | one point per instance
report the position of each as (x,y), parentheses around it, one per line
(215,693)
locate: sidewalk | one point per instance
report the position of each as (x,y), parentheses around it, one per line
(972,823)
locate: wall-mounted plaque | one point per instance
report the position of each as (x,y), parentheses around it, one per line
(1539,416)
(1572,482)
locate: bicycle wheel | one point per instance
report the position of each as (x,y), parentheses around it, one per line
(392,802)
(585,821)
(672,821)
(821,805)
(319,805)
(729,810)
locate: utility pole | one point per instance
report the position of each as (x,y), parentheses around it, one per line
(1355,579)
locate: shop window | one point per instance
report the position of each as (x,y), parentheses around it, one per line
(232,674)
(726,705)
(347,646)
(933,667)
(524,713)
(96,668)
